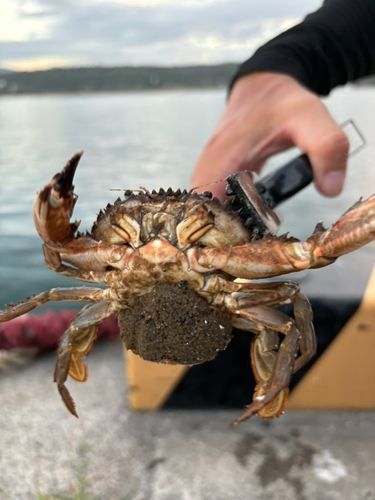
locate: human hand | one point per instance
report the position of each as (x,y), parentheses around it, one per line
(268,113)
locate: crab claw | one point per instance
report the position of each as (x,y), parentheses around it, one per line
(54,205)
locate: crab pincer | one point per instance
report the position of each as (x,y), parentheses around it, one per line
(54,205)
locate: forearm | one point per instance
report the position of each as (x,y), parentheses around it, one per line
(332,46)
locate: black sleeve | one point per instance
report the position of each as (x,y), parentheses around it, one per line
(332,46)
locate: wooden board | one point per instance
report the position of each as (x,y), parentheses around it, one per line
(150,384)
(344,376)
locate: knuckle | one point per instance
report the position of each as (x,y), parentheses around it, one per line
(336,144)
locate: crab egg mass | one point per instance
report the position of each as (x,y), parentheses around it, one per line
(173,324)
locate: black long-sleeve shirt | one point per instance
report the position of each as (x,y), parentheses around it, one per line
(332,46)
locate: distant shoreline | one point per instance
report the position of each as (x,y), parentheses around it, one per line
(100,80)
(82,93)
(117,79)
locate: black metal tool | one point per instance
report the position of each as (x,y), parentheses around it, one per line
(254,202)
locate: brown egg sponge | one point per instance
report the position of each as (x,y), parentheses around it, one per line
(173,324)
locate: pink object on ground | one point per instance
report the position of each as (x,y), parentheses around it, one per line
(45,331)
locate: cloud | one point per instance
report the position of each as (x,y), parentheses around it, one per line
(101,32)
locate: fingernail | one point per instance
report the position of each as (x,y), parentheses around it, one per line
(333,182)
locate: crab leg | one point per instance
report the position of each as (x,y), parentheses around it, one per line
(216,283)
(54,263)
(86,253)
(75,344)
(273,365)
(303,317)
(276,256)
(249,294)
(272,372)
(84,294)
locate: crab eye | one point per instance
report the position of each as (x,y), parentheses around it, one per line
(207,194)
(56,202)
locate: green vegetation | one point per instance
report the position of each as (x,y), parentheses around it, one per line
(80,483)
(82,479)
(79,495)
(124,78)
(5,495)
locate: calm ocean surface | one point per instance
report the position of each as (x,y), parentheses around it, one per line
(132,140)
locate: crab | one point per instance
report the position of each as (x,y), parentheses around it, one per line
(196,248)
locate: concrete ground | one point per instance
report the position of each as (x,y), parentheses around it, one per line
(114,453)
(111,452)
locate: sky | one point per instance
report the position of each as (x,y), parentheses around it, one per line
(42,34)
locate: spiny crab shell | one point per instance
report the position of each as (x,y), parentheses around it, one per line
(152,215)
(181,252)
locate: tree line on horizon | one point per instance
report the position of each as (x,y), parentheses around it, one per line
(109,79)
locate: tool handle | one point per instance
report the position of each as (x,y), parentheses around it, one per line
(286,181)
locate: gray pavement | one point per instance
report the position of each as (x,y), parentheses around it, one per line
(115,453)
